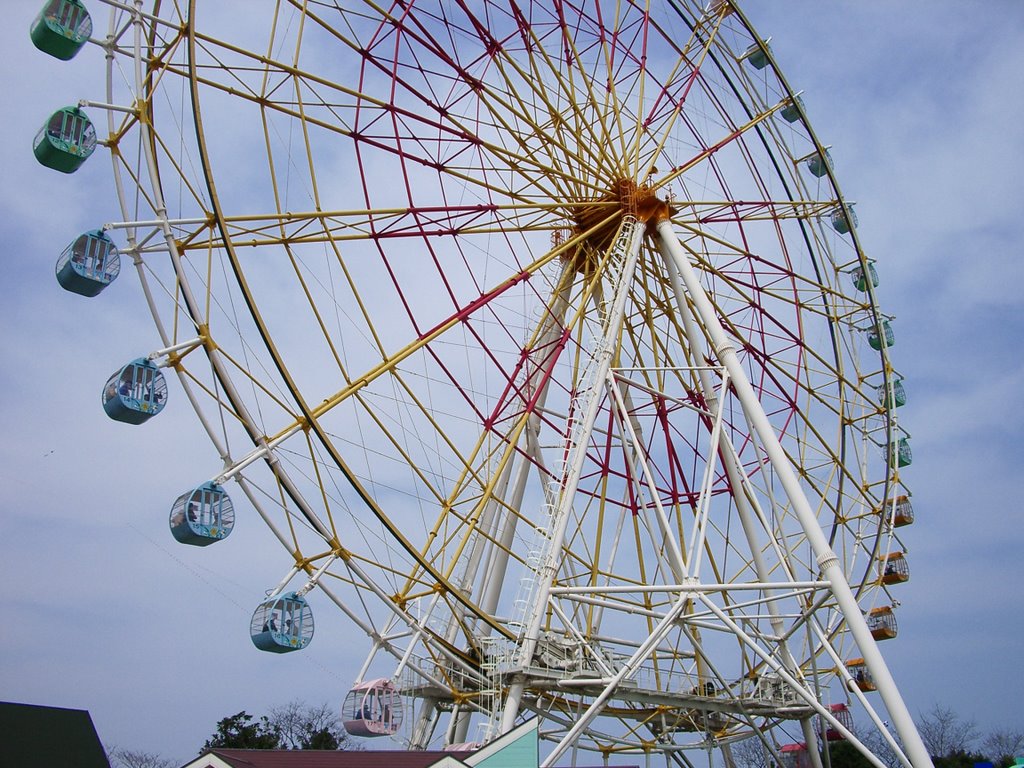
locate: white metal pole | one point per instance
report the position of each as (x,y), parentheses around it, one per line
(639,655)
(730,463)
(725,351)
(632,233)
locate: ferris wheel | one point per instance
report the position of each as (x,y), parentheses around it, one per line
(540,337)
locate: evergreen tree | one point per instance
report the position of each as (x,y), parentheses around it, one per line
(240,732)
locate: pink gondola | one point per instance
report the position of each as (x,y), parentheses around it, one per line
(373,708)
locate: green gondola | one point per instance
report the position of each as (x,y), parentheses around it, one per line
(900,453)
(66,141)
(89,264)
(61,28)
(860,280)
(886,338)
(895,398)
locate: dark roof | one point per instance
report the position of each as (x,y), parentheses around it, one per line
(312,758)
(47,737)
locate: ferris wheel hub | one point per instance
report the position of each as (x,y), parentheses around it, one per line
(600,220)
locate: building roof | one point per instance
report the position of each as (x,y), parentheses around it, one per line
(515,749)
(45,737)
(309,758)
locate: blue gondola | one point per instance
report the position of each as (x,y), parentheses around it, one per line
(61,28)
(844,220)
(89,264)
(757,55)
(282,624)
(819,163)
(66,141)
(202,516)
(373,708)
(135,393)
(791,112)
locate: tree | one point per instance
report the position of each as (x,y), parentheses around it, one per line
(240,732)
(842,754)
(751,753)
(1002,746)
(322,739)
(306,726)
(880,746)
(945,734)
(127,758)
(959,759)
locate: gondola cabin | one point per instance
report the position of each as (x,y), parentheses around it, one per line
(844,716)
(135,393)
(282,624)
(373,708)
(861,675)
(897,512)
(894,569)
(718,8)
(202,516)
(861,277)
(819,163)
(61,28)
(892,395)
(843,220)
(884,337)
(757,56)
(66,141)
(795,756)
(900,454)
(882,623)
(791,112)
(902,511)
(89,264)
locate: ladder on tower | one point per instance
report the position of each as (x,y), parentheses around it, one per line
(542,556)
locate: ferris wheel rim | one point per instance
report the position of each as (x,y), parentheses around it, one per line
(297,393)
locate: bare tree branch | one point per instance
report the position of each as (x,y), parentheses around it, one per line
(1001,746)
(945,733)
(128,758)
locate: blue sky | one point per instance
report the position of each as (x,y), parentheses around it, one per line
(922,104)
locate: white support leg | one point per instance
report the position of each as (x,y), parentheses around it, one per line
(730,463)
(827,560)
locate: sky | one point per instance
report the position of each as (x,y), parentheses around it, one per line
(923,107)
